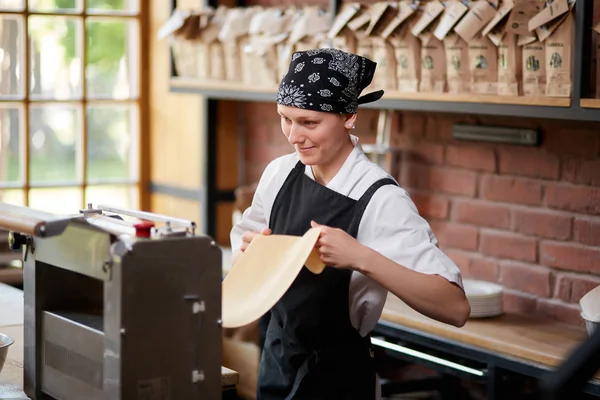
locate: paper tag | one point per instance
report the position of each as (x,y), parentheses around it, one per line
(496,37)
(175,22)
(363,18)
(552,11)
(477,17)
(522,12)
(507,5)
(341,20)
(431,11)
(543,32)
(524,40)
(376,10)
(454,11)
(405,10)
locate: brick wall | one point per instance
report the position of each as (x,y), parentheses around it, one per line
(528,218)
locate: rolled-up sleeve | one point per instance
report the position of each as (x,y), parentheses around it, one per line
(392,226)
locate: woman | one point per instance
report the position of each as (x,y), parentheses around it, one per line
(316,343)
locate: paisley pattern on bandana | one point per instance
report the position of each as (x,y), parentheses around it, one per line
(332,79)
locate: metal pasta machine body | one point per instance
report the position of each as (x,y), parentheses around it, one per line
(117,308)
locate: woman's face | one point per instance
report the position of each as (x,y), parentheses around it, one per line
(318,137)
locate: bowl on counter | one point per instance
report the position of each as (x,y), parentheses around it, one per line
(590,325)
(5,342)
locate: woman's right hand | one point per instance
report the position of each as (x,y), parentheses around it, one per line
(247,237)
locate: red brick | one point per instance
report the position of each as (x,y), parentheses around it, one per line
(511,190)
(583,172)
(518,302)
(438,127)
(559,311)
(572,287)
(257,153)
(253,172)
(430,206)
(587,230)
(255,113)
(567,141)
(474,266)
(508,245)
(542,223)
(573,198)
(451,234)
(426,152)
(483,268)
(526,278)
(570,256)
(411,124)
(528,163)
(447,180)
(473,157)
(260,133)
(481,213)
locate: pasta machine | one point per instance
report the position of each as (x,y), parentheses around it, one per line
(119,304)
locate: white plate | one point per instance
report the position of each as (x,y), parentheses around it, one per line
(475,289)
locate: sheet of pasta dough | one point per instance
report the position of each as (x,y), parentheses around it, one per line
(264,272)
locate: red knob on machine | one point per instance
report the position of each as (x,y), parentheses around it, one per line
(143,229)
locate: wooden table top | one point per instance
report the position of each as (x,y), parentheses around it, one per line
(530,338)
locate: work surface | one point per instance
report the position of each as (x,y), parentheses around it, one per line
(533,339)
(11,324)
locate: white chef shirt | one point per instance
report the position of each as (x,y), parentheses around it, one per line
(391,225)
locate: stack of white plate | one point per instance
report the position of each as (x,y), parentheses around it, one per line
(484,297)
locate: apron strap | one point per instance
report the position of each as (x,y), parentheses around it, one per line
(363,202)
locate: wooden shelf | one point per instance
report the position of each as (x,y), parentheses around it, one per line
(510,106)
(590,103)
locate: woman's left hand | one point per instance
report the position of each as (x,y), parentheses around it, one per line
(337,248)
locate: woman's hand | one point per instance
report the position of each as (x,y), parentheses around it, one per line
(247,237)
(337,248)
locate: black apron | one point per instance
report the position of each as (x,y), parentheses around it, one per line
(311,350)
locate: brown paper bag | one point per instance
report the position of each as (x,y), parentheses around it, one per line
(559,59)
(509,66)
(534,69)
(268,31)
(234,35)
(454,11)
(340,35)
(457,64)
(407,50)
(483,65)
(184,42)
(214,48)
(433,64)
(382,14)
(480,14)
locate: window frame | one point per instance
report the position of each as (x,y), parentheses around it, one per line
(23,102)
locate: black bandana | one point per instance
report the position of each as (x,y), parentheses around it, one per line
(327,80)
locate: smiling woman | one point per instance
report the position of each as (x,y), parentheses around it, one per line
(69,103)
(315,339)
